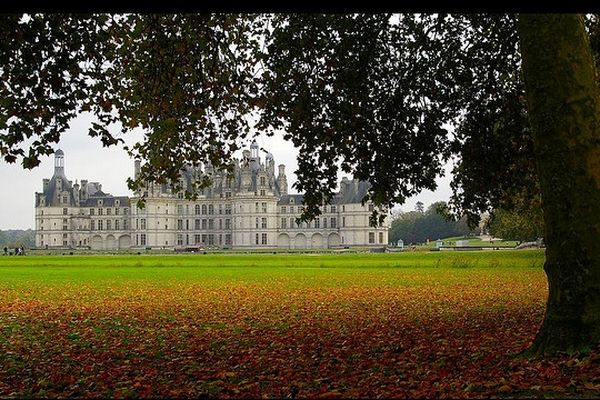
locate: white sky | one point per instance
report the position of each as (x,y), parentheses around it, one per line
(85,158)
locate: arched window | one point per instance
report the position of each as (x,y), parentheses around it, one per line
(197,209)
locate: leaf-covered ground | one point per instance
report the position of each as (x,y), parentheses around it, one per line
(393,325)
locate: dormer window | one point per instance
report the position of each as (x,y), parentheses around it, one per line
(117,203)
(99,203)
(291,200)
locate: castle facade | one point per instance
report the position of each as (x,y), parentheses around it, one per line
(252,209)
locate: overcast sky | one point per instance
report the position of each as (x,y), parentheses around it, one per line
(85,158)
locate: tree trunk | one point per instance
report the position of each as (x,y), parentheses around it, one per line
(564,111)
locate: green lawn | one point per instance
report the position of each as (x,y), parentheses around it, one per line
(425,324)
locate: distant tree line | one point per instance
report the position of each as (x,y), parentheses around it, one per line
(419,225)
(17,238)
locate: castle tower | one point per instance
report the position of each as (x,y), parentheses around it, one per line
(282,180)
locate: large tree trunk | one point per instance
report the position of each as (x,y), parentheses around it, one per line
(564,110)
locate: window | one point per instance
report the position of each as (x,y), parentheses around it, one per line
(117,210)
(228,238)
(256,207)
(263,238)
(187,224)
(220,208)
(197,224)
(203,225)
(291,200)
(257,238)
(108,223)
(343,208)
(196,239)
(211,209)
(197,209)
(380,237)
(180,209)
(100,223)
(108,211)
(92,211)
(257,224)
(317,223)
(263,223)
(211,224)
(283,223)
(142,223)
(179,224)
(203,239)
(292,222)
(371,237)
(283,209)
(227,194)
(324,223)
(220,223)
(125,225)
(65,211)
(227,223)
(227,209)
(343,221)
(370,207)
(100,210)
(263,181)
(333,209)
(179,239)
(203,209)
(116,224)
(211,240)
(263,192)
(92,225)
(65,199)
(126,211)
(291,210)
(334,222)
(264,207)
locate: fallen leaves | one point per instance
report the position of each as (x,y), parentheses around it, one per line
(454,337)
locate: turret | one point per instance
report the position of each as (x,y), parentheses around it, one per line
(137,166)
(282,180)
(76,193)
(59,162)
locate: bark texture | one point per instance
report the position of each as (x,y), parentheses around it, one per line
(564,110)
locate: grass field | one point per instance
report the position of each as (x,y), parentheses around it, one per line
(439,324)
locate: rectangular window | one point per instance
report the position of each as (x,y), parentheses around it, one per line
(117,211)
(283,223)
(370,207)
(333,209)
(291,209)
(65,211)
(180,211)
(100,211)
(343,221)
(220,209)
(116,224)
(100,223)
(179,224)
(228,238)
(196,239)
(263,223)
(283,209)
(380,237)
(179,239)
(211,239)
(108,211)
(256,208)
(187,224)
(197,224)
(92,225)
(263,238)
(292,222)
(220,224)
(333,222)
(143,239)
(143,223)
(228,209)
(211,209)
(264,207)
(257,239)
(263,192)
(324,223)
(108,223)
(227,223)
(203,224)
(126,211)
(211,224)
(257,224)
(125,225)
(317,223)
(371,237)
(203,239)
(263,181)
(92,211)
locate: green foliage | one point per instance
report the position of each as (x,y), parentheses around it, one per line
(521,225)
(16,238)
(417,227)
